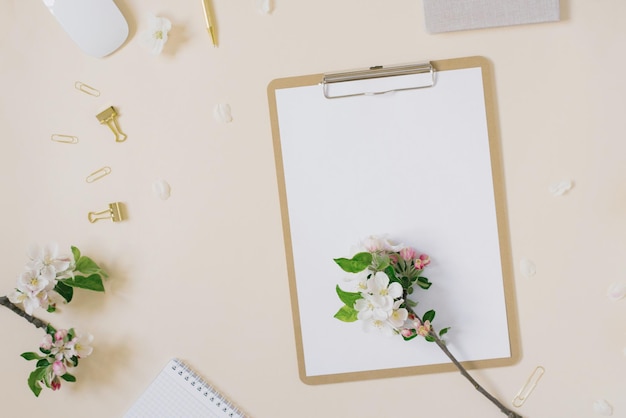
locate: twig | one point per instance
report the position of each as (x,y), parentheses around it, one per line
(477,386)
(4,301)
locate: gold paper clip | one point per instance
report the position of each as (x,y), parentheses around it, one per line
(66,139)
(98,174)
(109,117)
(525,392)
(86,89)
(115,213)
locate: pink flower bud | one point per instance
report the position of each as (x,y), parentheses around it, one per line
(46,344)
(60,334)
(408,254)
(59,368)
(422,262)
(406,332)
(393,259)
(55,384)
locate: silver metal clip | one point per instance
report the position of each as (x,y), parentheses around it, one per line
(378,80)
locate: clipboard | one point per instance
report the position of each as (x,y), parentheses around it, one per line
(411,152)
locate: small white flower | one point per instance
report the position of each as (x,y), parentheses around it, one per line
(161,189)
(368,308)
(379,243)
(265,6)
(47,261)
(222,113)
(616,291)
(602,407)
(31,281)
(156,36)
(380,325)
(398,315)
(528,268)
(560,188)
(80,345)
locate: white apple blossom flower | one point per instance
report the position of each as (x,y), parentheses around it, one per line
(31,281)
(47,261)
(383,292)
(155,37)
(80,346)
(30,300)
(369,308)
(382,326)
(379,243)
(398,315)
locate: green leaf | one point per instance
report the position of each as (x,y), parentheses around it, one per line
(391,273)
(423,282)
(430,338)
(30,356)
(50,330)
(348,297)
(64,290)
(76,253)
(68,377)
(51,308)
(34,378)
(43,362)
(429,316)
(93,282)
(358,263)
(88,267)
(444,331)
(346,314)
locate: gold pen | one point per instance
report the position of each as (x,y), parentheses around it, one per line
(209,20)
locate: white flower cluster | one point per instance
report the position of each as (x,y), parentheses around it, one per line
(35,286)
(379,307)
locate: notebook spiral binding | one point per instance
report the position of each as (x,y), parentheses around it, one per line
(208,391)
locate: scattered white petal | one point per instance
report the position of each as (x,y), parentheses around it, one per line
(222,113)
(602,407)
(155,37)
(527,267)
(266,6)
(161,189)
(616,291)
(561,187)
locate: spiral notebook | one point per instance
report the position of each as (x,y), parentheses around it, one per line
(179,392)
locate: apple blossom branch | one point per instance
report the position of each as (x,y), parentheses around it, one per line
(459,366)
(4,301)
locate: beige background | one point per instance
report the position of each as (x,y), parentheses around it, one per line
(202,276)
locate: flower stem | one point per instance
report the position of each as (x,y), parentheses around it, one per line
(477,386)
(4,301)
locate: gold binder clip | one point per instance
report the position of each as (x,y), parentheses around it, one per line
(115,213)
(86,89)
(65,139)
(525,391)
(109,117)
(98,174)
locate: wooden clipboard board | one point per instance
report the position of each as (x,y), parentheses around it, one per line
(420,164)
